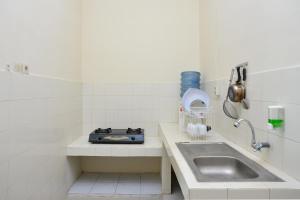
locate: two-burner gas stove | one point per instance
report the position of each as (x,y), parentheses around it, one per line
(117,136)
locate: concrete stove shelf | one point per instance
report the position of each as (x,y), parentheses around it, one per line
(81,147)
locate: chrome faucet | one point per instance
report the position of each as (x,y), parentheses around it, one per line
(257,146)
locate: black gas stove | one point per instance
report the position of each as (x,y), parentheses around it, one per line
(117,136)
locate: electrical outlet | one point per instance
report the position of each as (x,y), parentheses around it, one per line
(26,69)
(7,67)
(17,68)
(217,90)
(21,68)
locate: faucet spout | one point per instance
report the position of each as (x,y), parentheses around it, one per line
(255,145)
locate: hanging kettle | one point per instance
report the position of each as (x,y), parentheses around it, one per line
(237,91)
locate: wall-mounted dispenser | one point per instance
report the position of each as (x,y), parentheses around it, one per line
(275,117)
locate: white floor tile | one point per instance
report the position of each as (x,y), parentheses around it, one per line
(84,184)
(108,177)
(151,188)
(150,184)
(104,188)
(132,187)
(106,184)
(130,178)
(116,186)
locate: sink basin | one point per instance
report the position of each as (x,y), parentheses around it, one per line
(224,167)
(218,162)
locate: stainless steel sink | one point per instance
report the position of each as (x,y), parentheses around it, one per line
(224,167)
(218,162)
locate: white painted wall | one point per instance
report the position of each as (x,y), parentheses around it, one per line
(266,34)
(139,40)
(39,113)
(36,124)
(132,54)
(45,35)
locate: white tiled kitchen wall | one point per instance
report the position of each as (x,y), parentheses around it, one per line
(39,117)
(276,87)
(129,105)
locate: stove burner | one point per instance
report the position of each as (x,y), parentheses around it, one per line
(117,136)
(134,131)
(100,130)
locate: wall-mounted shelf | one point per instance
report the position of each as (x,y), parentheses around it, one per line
(81,147)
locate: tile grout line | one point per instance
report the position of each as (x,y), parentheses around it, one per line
(140,184)
(93,184)
(117,183)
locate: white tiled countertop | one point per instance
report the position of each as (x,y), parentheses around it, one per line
(192,189)
(81,147)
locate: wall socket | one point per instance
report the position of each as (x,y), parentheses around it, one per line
(21,68)
(217,90)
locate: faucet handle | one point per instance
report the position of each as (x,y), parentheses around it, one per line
(260,145)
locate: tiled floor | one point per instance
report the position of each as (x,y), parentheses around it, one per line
(105,186)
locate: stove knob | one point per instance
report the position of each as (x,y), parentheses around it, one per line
(98,130)
(133,138)
(129,130)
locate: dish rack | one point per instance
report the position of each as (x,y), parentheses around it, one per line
(194,122)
